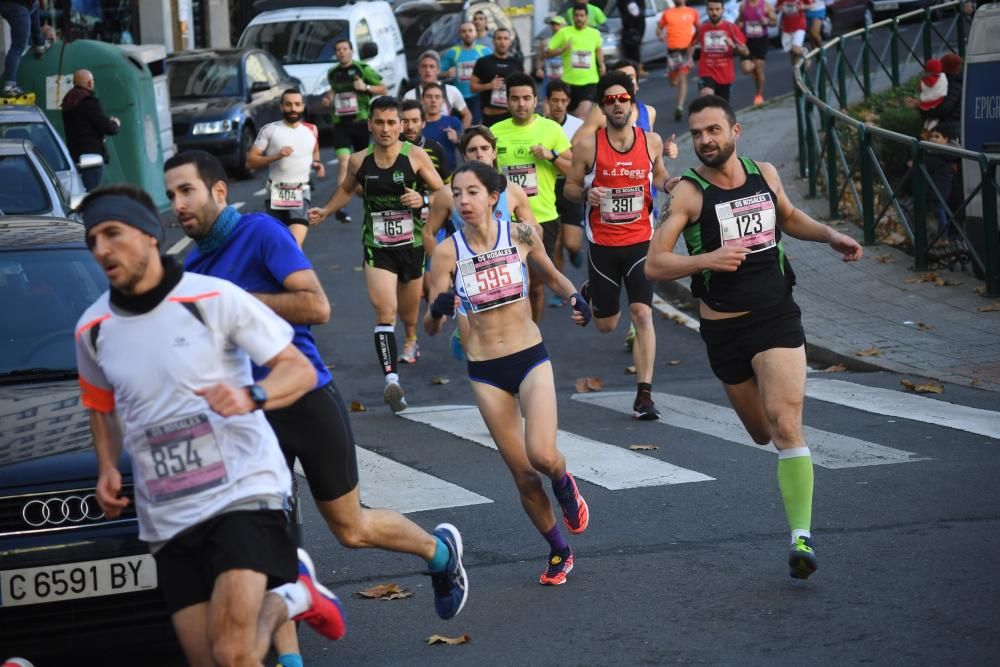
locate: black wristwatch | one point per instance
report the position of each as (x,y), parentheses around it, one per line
(257,394)
(427,199)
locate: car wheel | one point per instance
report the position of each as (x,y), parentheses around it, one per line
(241,170)
(869,15)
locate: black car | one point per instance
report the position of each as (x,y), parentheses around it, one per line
(71,580)
(220,98)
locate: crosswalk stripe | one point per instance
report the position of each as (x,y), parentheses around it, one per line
(907,406)
(390,485)
(829,450)
(605,465)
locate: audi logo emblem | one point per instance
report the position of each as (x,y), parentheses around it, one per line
(57,511)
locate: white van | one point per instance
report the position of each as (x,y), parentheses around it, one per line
(301,35)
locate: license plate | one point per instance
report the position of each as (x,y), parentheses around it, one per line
(90,579)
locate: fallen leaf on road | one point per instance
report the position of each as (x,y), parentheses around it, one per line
(980,290)
(585,385)
(870,352)
(836,368)
(359,268)
(385,592)
(674,362)
(358,406)
(975,382)
(439,380)
(924,327)
(450,641)
(630,370)
(925,278)
(927,388)
(941,282)
(672,316)
(642,448)
(992,308)
(884,259)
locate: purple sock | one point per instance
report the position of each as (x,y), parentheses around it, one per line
(559,485)
(557,542)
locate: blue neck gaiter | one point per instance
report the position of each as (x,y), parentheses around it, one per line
(220,231)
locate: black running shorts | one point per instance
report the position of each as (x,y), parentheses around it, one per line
(550,235)
(758,47)
(352,136)
(585,93)
(609,268)
(259,540)
(570,212)
(407,262)
(733,343)
(316,430)
(721,89)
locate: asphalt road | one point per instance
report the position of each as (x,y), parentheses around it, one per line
(685,562)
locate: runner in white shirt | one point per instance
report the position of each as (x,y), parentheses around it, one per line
(163,360)
(289,148)
(429,69)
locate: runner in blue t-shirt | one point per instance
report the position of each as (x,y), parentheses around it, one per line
(258,253)
(457,63)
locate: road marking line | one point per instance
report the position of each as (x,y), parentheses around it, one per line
(391,485)
(907,406)
(238,205)
(600,463)
(259,193)
(178,247)
(829,450)
(332,162)
(682,317)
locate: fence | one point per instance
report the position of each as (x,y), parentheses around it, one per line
(847,156)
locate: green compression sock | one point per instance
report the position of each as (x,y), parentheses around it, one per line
(795,479)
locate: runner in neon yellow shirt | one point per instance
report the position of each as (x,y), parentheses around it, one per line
(530,150)
(583,60)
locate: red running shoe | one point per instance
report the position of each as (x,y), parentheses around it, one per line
(559,565)
(326,616)
(576,514)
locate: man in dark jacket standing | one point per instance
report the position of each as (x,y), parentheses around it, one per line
(86,126)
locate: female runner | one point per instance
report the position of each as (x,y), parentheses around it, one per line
(509,369)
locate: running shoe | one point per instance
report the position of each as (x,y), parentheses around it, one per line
(644,409)
(559,565)
(393,396)
(678,114)
(576,259)
(11,91)
(630,338)
(451,586)
(457,350)
(410,353)
(555,301)
(326,615)
(758,100)
(802,558)
(342,215)
(576,513)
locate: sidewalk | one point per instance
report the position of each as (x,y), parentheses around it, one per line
(917,328)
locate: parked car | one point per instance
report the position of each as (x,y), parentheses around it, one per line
(220,98)
(71,580)
(29,122)
(301,34)
(28,186)
(428,25)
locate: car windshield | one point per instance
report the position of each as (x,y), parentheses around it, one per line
(41,135)
(443,32)
(21,188)
(205,78)
(44,292)
(297,42)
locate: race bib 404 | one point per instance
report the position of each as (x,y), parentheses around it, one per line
(287,195)
(180,457)
(492,279)
(747,222)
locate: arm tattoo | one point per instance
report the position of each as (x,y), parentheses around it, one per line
(664,211)
(524,234)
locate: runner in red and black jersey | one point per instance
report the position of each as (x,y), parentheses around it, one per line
(719,40)
(613,172)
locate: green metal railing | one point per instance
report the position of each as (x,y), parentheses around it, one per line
(842,154)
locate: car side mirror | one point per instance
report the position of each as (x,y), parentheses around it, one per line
(75,201)
(90,160)
(259,87)
(369,50)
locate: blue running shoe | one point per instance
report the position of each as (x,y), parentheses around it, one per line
(555,301)
(457,350)
(802,558)
(451,586)
(325,616)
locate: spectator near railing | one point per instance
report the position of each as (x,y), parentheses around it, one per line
(848,157)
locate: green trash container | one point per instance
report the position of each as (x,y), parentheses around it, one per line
(124,85)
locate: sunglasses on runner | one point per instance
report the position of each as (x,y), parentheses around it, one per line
(620,97)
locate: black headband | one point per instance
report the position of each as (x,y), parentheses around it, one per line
(124,210)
